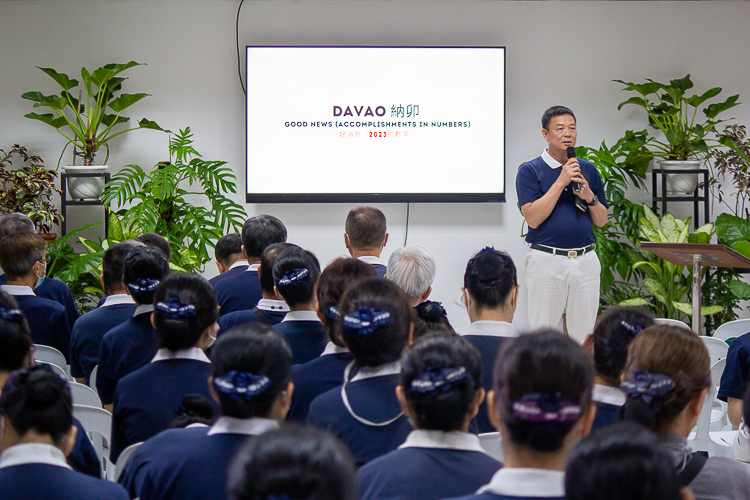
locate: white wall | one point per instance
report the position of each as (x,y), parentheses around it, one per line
(558,53)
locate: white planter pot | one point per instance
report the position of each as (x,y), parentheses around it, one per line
(85,188)
(681,184)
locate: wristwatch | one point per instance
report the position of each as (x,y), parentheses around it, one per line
(593,202)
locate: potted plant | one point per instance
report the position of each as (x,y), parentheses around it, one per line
(28,189)
(88,122)
(686,142)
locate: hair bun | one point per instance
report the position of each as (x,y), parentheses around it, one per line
(430,311)
(196,405)
(489,265)
(43,388)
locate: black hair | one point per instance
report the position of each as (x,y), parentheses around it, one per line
(15,335)
(261,231)
(295,463)
(267,261)
(490,278)
(15,223)
(255,350)
(144,263)
(548,364)
(612,336)
(228,245)
(555,111)
(194,409)
(430,316)
(180,328)
(112,265)
(623,461)
(36,398)
(155,241)
(446,407)
(386,343)
(366,227)
(299,288)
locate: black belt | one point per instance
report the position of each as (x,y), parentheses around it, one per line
(568,252)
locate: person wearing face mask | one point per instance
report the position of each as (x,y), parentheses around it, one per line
(23,260)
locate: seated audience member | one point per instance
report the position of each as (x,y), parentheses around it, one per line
(154,240)
(244,291)
(295,274)
(271,309)
(131,345)
(52,289)
(622,462)
(16,352)
(440,391)
(610,341)
(431,316)
(118,307)
(36,416)
(375,324)
(541,404)
(413,269)
(229,258)
(667,376)
(293,462)
(734,379)
(23,259)
(366,235)
(327,371)
(251,379)
(490,294)
(145,401)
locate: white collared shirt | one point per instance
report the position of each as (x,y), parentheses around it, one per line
(252,267)
(332,348)
(378,371)
(118,299)
(549,160)
(240,263)
(143,309)
(453,440)
(491,329)
(33,453)
(192,353)
(526,483)
(608,395)
(301,316)
(371,259)
(247,426)
(17,290)
(273,305)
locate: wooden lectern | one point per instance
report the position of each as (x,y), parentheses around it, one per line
(696,255)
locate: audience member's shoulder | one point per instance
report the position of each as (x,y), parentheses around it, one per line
(51,305)
(722,478)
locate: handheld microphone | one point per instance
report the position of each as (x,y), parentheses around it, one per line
(580,204)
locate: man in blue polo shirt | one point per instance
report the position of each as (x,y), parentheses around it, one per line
(562,269)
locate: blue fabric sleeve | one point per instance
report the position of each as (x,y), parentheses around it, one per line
(735,376)
(528,188)
(105,385)
(83,458)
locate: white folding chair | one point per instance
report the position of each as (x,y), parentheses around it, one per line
(123,459)
(57,370)
(491,443)
(98,425)
(732,329)
(84,395)
(50,355)
(92,380)
(717,349)
(670,321)
(702,440)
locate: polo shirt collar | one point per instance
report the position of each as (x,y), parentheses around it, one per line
(252,267)
(192,353)
(245,426)
(608,395)
(332,348)
(454,440)
(371,259)
(492,329)
(524,483)
(17,290)
(301,316)
(239,263)
(551,162)
(378,371)
(117,300)
(143,309)
(33,453)
(273,305)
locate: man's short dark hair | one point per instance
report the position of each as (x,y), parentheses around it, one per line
(555,111)
(366,227)
(112,264)
(156,241)
(14,223)
(227,246)
(261,231)
(19,252)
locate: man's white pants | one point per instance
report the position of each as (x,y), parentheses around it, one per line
(560,284)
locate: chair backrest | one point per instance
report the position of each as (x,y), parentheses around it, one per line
(732,329)
(50,355)
(670,321)
(123,459)
(57,370)
(92,379)
(717,349)
(84,395)
(490,441)
(704,420)
(94,420)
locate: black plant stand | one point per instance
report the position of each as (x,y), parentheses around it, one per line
(696,198)
(65,203)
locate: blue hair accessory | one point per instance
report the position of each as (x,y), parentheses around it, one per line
(435,380)
(293,277)
(430,310)
(143,285)
(633,330)
(366,320)
(333,312)
(647,386)
(175,309)
(10,314)
(241,385)
(543,408)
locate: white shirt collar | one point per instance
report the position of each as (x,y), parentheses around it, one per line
(33,453)
(240,263)
(193,353)
(371,259)
(143,309)
(246,426)
(454,440)
(549,160)
(608,395)
(301,316)
(273,305)
(378,371)
(492,329)
(195,425)
(332,348)
(118,299)
(526,483)
(253,267)
(17,290)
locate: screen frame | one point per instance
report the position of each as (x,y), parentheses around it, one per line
(381,197)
